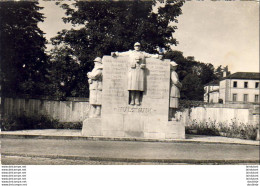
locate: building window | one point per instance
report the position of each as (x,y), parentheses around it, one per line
(234,97)
(256,98)
(234,84)
(245,84)
(245,97)
(256,84)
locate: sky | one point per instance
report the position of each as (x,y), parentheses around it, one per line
(218,32)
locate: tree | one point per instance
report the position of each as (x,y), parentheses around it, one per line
(219,71)
(107,26)
(192,89)
(22,48)
(64,76)
(207,73)
(192,74)
(184,64)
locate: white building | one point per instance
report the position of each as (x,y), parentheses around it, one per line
(211,92)
(240,87)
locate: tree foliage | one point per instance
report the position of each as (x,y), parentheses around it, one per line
(192,74)
(219,71)
(22,48)
(107,26)
(65,77)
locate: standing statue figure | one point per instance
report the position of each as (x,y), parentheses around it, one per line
(95,88)
(136,72)
(175,86)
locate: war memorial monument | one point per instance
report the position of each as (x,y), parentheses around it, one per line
(134,95)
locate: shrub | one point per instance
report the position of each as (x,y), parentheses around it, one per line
(10,123)
(70,125)
(233,129)
(203,128)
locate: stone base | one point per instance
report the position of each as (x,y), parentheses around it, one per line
(175,130)
(91,127)
(165,131)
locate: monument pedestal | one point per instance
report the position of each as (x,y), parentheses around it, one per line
(93,127)
(175,130)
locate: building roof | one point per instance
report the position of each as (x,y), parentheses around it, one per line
(244,75)
(213,83)
(217,90)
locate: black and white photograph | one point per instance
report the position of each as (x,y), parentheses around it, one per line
(169,86)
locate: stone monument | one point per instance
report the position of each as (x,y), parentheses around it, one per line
(135,113)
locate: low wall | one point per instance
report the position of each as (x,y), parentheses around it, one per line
(75,110)
(222,114)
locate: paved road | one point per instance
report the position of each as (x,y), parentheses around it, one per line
(125,151)
(18,160)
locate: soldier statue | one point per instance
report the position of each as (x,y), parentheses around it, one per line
(95,88)
(136,72)
(175,86)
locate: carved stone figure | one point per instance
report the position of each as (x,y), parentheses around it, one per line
(136,72)
(175,86)
(95,88)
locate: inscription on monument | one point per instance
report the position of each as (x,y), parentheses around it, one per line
(157,79)
(114,86)
(135,110)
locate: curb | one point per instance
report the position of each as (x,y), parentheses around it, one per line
(134,160)
(30,136)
